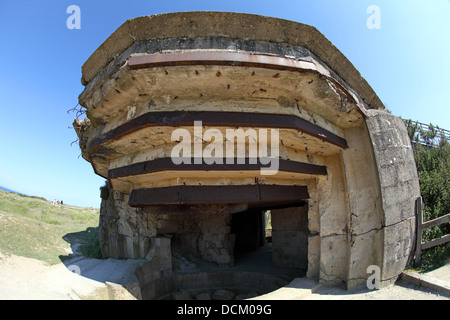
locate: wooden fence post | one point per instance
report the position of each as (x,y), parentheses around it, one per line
(419,230)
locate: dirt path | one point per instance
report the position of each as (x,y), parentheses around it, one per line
(30,279)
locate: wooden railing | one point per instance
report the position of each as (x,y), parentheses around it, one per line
(421,226)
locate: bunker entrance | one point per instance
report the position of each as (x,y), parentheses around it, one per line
(272,239)
(267,250)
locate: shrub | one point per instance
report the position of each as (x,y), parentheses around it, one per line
(432,155)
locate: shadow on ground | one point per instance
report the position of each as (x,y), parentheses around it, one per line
(83,243)
(86,261)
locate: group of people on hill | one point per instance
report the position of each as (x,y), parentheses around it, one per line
(57,202)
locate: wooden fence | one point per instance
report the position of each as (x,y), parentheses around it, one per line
(421,226)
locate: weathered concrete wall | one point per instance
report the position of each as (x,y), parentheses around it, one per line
(124,231)
(127,232)
(333,215)
(201,236)
(364,212)
(290,237)
(399,188)
(381,188)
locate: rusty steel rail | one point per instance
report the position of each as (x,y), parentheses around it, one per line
(166,164)
(218,119)
(253,195)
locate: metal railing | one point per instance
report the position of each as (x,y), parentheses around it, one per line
(426,134)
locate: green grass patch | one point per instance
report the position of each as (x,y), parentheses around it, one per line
(34,228)
(434,258)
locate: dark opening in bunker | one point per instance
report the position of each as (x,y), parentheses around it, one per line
(274,237)
(249,230)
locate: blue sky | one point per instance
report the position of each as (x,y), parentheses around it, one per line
(407,63)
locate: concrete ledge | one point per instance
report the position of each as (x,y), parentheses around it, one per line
(297,289)
(207,24)
(425,281)
(123,292)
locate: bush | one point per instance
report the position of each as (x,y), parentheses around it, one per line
(432,155)
(90,248)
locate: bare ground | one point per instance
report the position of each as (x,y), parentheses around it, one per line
(29,279)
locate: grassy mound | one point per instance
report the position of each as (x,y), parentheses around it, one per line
(34,228)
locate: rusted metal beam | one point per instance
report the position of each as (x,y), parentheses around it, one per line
(223,58)
(166,164)
(254,195)
(218,119)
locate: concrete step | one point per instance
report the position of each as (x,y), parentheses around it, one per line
(103,279)
(426,281)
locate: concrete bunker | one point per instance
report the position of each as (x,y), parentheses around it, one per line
(342,198)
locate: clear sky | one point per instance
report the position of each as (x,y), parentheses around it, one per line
(406,61)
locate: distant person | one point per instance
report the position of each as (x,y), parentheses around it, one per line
(62,203)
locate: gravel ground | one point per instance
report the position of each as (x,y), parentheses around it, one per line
(400,291)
